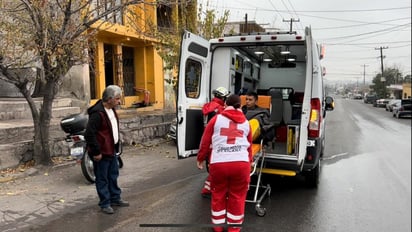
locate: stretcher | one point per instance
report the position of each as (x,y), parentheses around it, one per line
(260,190)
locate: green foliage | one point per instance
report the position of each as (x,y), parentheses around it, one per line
(391,76)
(210,26)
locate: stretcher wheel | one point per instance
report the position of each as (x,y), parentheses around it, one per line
(260,211)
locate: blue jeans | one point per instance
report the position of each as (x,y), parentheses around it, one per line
(107,172)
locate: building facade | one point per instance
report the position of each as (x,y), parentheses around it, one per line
(125,54)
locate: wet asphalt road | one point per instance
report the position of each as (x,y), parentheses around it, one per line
(365,186)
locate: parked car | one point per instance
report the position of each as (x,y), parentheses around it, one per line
(357,96)
(381,103)
(370,98)
(391,104)
(404,108)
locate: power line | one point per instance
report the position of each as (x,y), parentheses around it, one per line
(363,24)
(381,42)
(293,8)
(370,34)
(273,5)
(325,11)
(367,33)
(364,10)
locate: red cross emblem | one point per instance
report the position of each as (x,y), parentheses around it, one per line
(232,132)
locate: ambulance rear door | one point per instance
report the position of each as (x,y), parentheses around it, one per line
(193,92)
(306,106)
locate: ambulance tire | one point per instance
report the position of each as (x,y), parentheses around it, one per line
(312,176)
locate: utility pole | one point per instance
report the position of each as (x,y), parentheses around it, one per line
(381,48)
(382,77)
(364,67)
(246,26)
(292,20)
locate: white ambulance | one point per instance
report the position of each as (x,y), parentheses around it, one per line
(283,65)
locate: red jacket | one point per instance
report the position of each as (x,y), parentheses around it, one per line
(99,135)
(217,105)
(206,143)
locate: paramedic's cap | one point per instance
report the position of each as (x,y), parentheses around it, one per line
(233,100)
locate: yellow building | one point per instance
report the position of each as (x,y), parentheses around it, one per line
(125,54)
(406,90)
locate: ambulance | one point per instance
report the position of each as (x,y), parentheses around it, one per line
(283,67)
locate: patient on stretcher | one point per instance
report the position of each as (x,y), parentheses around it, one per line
(258,116)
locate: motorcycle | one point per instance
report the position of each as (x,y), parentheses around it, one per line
(171,134)
(75,126)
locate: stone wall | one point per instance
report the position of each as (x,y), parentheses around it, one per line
(135,128)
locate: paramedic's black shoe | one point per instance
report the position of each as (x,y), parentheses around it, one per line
(120,203)
(207,195)
(108,210)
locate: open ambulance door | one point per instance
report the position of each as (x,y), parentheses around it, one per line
(306,106)
(193,92)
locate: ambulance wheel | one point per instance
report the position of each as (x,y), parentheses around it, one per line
(260,211)
(312,176)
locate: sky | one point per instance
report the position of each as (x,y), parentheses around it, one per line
(351,31)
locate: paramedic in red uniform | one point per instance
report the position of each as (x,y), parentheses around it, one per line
(227,138)
(210,109)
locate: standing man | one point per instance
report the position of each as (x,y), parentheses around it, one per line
(102,137)
(210,109)
(227,138)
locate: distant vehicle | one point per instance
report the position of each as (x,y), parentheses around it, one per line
(381,103)
(403,109)
(357,96)
(370,98)
(391,104)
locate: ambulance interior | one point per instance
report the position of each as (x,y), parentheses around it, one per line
(277,73)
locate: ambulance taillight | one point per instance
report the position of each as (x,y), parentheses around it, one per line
(315,118)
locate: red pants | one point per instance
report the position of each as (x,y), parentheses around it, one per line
(229,186)
(206,186)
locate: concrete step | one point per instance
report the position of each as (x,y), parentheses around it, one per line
(18,108)
(62,112)
(17,130)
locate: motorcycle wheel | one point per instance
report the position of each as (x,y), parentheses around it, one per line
(120,161)
(87,168)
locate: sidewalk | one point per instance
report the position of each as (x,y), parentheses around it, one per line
(41,193)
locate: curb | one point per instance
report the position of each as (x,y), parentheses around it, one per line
(7,177)
(33,171)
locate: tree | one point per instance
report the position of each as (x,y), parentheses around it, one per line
(392,76)
(210,26)
(51,36)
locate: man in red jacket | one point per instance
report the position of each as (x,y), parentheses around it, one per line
(102,137)
(210,109)
(227,139)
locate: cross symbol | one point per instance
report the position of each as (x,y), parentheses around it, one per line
(232,132)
